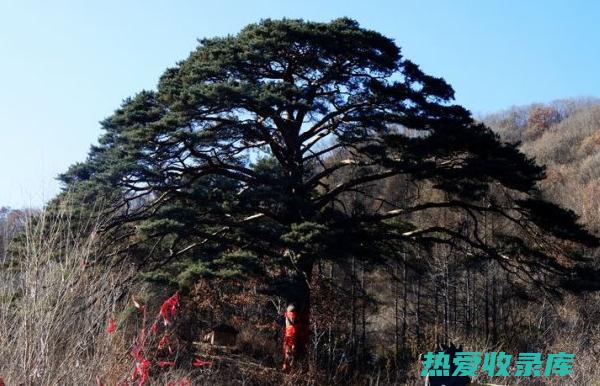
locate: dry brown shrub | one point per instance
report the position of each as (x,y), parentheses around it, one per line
(54,307)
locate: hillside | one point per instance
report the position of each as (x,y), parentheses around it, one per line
(565,136)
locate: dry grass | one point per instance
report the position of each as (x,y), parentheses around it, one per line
(54,305)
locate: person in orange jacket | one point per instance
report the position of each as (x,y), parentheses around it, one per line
(295,337)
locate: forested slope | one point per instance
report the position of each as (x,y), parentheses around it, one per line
(565,136)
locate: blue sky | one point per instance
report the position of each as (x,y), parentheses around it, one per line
(65,65)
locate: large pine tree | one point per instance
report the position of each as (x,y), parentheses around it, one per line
(268,149)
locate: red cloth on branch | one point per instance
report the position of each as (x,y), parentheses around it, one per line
(111,328)
(169,307)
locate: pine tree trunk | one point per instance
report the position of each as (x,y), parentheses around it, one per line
(363,317)
(404,303)
(418,315)
(396,308)
(353,310)
(298,321)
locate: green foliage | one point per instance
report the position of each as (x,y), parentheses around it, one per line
(273,143)
(183,274)
(305,233)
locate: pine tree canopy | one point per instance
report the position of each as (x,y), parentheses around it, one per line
(294,142)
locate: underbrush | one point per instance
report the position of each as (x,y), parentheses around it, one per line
(66,318)
(54,305)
